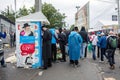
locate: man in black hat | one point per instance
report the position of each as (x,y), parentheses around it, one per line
(26,31)
(46,47)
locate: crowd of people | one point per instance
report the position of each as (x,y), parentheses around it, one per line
(77,43)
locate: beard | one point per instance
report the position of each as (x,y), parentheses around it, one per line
(27,32)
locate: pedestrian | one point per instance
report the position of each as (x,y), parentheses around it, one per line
(11,39)
(67,33)
(2,61)
(54,42)
(103,46)
(111,47)
(93,40)
(62,42)
(74,44)
(84,36)
(46,47)
(98,44)
(14,40)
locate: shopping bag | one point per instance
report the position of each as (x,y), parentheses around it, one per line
(89,47)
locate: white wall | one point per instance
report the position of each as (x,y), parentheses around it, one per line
(99,10)
(8,25)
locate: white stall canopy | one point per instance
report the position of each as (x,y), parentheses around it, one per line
(108,23)
(38,16)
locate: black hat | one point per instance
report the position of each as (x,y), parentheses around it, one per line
(26,25)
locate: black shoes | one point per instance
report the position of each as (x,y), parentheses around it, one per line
(4,65)
(62,60)
(112,67)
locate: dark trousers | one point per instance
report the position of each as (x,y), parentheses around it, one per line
(111,53)
(98,52)
(47,63)
(94,52)
(62,48)
(2,61)
(103,53)
(86,51)
(74,62)
(54,52)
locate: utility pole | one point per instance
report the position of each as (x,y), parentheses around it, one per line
(118,15)
(38,5)
(15,9)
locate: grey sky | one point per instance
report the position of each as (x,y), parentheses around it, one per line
(65,6)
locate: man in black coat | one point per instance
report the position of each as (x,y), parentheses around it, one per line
(46,48)
(62,41)
(85,38)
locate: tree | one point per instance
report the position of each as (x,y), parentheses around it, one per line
(32,10)
(22,12)
(72,27)
(9,13)
(53,15)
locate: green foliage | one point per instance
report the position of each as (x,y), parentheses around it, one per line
(23,12)
(31,10)
(53,15)
(9,13)
(72,27)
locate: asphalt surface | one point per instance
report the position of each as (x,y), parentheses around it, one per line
(88,70)
(59,71)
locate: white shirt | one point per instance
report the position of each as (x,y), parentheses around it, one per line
(95,39)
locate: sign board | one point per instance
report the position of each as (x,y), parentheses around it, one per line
(28,44)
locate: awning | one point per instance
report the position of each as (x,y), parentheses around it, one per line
(37,16)
(108,23)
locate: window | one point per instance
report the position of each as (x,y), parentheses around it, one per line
(114,17)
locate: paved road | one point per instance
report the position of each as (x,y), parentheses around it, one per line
(88,70)
(59,71)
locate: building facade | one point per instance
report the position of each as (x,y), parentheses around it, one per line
(9,26)
(5,23)
(98,15)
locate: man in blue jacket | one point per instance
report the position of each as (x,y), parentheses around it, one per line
(103,46)
(54,41)
(2,61)
(74,44)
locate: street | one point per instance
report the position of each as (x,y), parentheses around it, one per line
(88,70)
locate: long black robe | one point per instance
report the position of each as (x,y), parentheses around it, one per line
(46,48)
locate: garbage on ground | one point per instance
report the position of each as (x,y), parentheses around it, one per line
(11,59)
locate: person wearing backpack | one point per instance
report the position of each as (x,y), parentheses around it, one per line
(111,47)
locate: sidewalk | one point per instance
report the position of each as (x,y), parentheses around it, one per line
(106,72)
